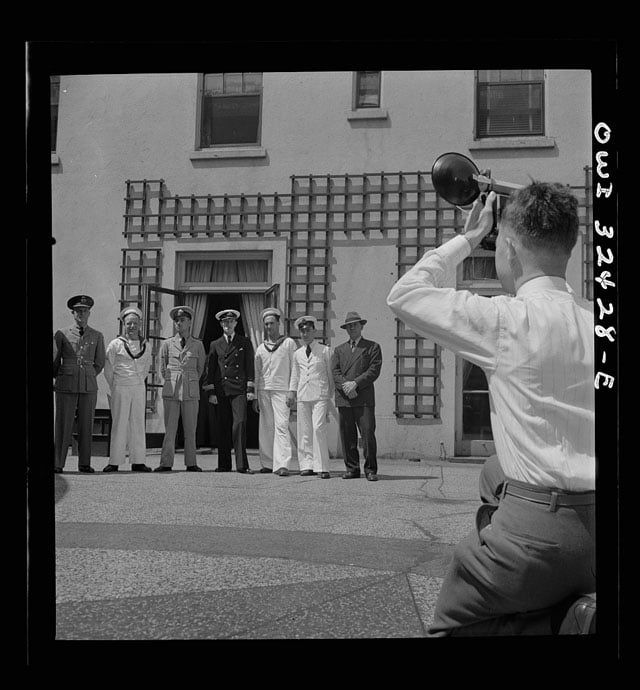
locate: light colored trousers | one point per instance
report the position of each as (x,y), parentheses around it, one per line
(173,410)
(275,440)
(313,441)
(128,424)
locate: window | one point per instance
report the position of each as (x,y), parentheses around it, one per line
(54,98)
(246,269)
(231,106)
(509,102)
(367,90)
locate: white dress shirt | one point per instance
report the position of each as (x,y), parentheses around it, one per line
(536,350)
(273,369)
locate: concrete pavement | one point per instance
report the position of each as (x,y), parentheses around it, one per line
(208,555)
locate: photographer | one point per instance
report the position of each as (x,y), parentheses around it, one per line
(532,554)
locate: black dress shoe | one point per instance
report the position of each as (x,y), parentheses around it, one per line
(162,468)
(58,470)
(110,468)
(265,470)
(245,470)
(307,473)
(372,477)
(221,469)
(282,472)
(325,475)
(86,469)
(140,468)
(194,468)
(351,475)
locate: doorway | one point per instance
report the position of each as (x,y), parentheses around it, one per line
(207,428)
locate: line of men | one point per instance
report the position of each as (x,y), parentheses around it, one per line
(295,390)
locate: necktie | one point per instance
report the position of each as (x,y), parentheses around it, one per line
(182,343)
(353,344)
(81,329)
(308,351)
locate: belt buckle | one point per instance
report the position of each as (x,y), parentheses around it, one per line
(553,502)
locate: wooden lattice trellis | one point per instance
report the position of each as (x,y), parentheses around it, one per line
(402,207)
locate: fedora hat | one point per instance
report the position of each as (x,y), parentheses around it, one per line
(353,317)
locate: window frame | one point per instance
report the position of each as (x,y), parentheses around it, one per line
(506,135)
(200,101)
(356,91)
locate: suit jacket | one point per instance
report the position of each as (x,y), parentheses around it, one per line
(78,360)
(311,377)
(182,369)
(362,366)
(231,366)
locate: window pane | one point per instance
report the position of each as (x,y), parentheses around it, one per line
(233,82)
(226,271)
(505,109)
(368,86)
(213,84)
(252,82)
(230,120)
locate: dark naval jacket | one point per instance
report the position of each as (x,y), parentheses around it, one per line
(231,366)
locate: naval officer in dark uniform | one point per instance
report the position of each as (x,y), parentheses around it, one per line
(79,358)
(230,382)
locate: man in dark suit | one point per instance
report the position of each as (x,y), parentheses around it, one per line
(355,366)
(78,359)
(230,382)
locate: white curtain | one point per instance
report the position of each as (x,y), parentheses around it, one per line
(198,272)
(252,306)
(228,271)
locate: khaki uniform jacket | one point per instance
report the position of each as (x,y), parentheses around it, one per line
(78,360)
(182,369)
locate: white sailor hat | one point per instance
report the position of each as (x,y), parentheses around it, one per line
(130,310)
(306,319)
(228,314)
(177,312)
(271,311)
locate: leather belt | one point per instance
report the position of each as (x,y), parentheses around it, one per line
(551,497)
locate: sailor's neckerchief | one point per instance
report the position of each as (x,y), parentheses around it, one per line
(126,347)
(272,347)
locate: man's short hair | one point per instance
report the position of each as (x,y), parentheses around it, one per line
(544,215)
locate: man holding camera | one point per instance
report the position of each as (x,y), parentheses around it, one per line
(532,554)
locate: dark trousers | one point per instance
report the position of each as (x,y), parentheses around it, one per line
(232,431)
(514,573)
(363,419)
(66,406)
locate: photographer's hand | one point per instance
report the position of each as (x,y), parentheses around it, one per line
(480,220)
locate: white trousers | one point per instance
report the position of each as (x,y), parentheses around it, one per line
(313,441)
(128,425)
(274,439)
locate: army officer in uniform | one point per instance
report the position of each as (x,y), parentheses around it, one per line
(182,360)
(230,382)
(79,358)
